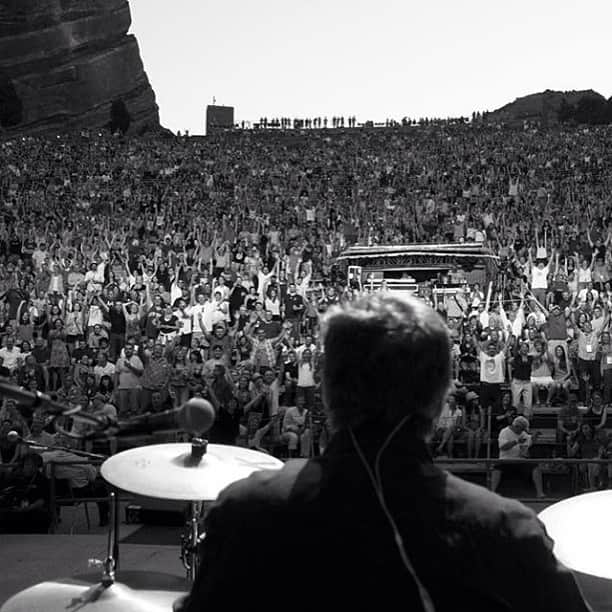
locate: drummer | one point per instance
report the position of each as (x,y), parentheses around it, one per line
(374,515)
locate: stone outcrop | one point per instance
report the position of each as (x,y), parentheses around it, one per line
(64,62)
(543,107)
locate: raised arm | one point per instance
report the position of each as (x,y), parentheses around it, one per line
(488,298)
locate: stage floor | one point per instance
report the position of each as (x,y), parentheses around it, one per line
(27,560)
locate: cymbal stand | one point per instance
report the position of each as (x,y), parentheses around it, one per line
(191,540)
(191,537)
(110,563)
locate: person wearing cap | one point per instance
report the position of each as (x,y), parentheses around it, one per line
(514,442)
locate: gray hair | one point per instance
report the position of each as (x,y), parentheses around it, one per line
(386,357)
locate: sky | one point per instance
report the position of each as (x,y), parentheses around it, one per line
(373,60)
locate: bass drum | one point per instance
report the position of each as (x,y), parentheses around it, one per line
(137,592)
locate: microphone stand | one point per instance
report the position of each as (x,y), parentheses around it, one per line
(74,451)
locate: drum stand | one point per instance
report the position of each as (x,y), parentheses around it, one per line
(191,540)
(111,562)
(191,537)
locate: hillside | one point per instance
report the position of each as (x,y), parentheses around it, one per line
(548,107)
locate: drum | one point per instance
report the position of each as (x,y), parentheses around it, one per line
(579,527)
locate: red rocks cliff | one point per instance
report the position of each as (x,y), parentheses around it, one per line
(64,62)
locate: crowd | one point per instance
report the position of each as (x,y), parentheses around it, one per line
(137,273)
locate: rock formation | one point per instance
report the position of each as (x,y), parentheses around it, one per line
(542,107)
(64,62)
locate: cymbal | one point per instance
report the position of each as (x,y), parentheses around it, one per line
(164,471)
(577,525)
(138,592)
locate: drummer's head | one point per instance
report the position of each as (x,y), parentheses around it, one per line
(386,359)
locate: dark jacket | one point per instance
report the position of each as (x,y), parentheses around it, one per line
(313,536)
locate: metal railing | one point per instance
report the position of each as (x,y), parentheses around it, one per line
(550,466)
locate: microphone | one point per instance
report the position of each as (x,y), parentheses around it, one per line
(13,436)
(195,416)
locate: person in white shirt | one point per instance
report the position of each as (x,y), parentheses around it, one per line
(263,278)
(492,374)
(11,355)
(104,367)
(222,288)
(514,442)
(539,276)
(202,316)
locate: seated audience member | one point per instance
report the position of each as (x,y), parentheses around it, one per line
(449,422)
(473,426)
(514,442)
(24,500)
(541,378)
(584,444)
(295,430)
(74,475)
(569,419)
(38,433)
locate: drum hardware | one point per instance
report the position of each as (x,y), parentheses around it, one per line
(195,472)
